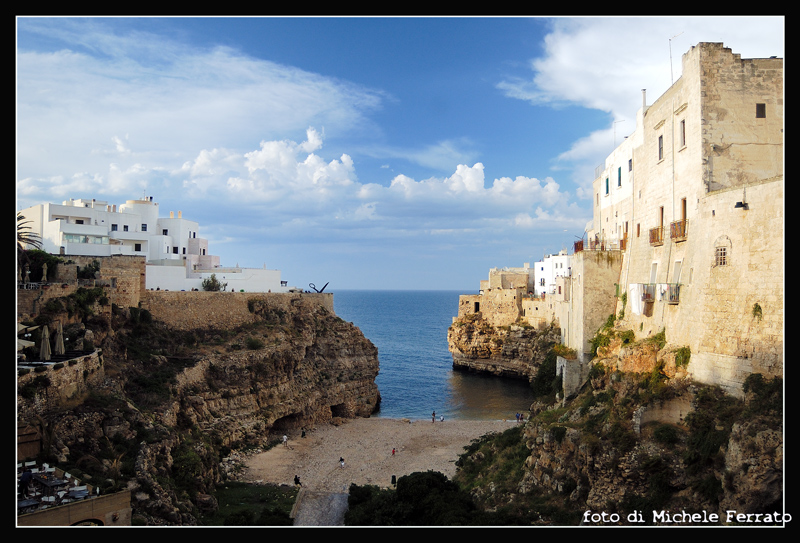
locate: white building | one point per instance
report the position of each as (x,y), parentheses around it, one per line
(177,259)
(548,269)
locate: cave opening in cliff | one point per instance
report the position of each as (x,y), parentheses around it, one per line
(340,410)
(292,421)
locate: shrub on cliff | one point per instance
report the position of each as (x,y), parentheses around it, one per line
(212,284)
(420,499)
(546,383)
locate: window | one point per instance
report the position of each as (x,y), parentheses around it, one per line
(174,250)
(144,228)
(761,111)
(606,186)
(124,227)
(165,232)
(113,227)
(619,176)
(682,134)
(630,164)
(137,247)
(660,147)
(637,229)
(722,251)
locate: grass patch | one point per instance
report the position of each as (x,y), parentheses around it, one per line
(243,504)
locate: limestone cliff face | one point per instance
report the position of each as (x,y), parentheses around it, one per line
(507,351)
(174,402)
(640,437)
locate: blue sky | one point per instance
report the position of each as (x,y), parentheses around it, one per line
(376,153)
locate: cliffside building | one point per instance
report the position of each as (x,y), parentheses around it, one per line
(176,258)
(687,230)
(547,270)
(693,203)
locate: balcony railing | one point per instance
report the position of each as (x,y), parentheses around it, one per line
(648,292)
(669,292)
(677,230)
(657,235)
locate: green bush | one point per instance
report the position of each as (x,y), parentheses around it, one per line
(420,499)
(254,343)
(666,434)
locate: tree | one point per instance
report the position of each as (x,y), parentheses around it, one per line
(25,235)
(213,284)
(25,238)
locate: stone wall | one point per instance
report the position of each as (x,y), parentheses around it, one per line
(122,277)
(592,297)
(539,312)
(68,380)
(499,307)
(227,310)
(108,510)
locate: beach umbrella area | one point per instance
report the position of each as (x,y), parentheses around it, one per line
(44,349)
(58,342)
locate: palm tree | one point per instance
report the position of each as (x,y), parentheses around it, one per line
(26,236)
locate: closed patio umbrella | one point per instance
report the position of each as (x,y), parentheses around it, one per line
(58,346)
(44,350)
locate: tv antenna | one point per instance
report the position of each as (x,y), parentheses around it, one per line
(671,78)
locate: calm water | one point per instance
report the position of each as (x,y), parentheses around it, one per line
(416,377)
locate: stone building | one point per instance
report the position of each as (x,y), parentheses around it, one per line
(687,229)
(693,203)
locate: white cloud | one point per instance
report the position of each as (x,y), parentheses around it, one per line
(74,107)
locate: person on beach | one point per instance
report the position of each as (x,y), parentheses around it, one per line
(393,451)
(441,418)
(341,462)
(433,416)
(297,481)
(285,440)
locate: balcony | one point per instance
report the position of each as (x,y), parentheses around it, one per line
(677,230)
(648,292)
(657,236)
(669,292)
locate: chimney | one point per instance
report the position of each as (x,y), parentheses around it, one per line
(171,214)
(644,99)
(180,214)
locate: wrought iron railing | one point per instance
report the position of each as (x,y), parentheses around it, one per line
(657,235)
(677,230)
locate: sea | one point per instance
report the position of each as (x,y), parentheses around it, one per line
(416,376)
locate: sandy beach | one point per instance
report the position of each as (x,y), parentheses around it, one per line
(366,447)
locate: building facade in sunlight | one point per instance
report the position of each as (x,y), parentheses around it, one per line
(687,232)
(177,258)
(692,202)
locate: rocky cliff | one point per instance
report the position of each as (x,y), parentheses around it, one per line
(515,351)
(175,402)
(640,444)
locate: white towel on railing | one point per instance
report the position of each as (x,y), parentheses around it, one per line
(635,291)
